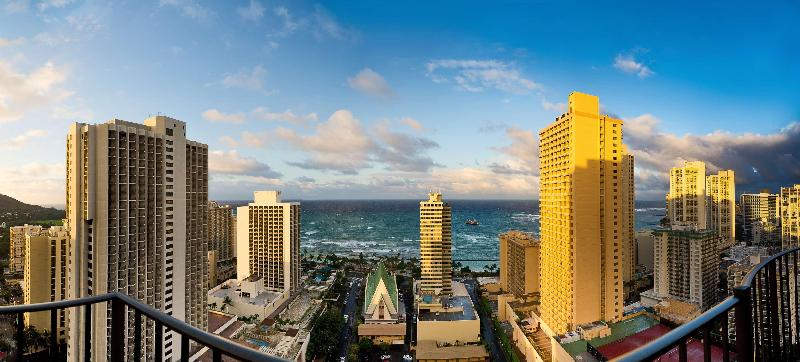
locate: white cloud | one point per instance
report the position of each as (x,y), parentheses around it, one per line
(53,4)
(251,80)
(190,9)
(229,141)
(285,116)
(22,140)
(289,24)
(479,75)
(232,163)
(11,42)
(629,64)
(559,107)
(87,23)
(413,124)
(214,115)
(370,83)
(655,151)
(326,26)
(16,6)
(255,140)
(21,93)
(253,12)
(343,145)
(34,183)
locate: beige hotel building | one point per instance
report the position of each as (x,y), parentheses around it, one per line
(137,198)
(45,276)
(519,263)
(761,218)
(721,190)
(686,200)
(585,205)
(435,246)
(221,240)
(16,247)
(268,241)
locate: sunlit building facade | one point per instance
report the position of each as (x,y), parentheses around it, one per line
(435,245)
(761,218)
(790,216)
(721,189)
(137,197)
(584,204)
(221,239)
(519,263)
(686,200)
(686,265)
(268,241)
(16,247)
(45,276)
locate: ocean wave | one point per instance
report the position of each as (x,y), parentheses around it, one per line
(311,232)
(475,238)
(369,227)
(650,209)
(525,217)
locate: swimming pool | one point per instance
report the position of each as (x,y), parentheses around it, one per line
(258,342)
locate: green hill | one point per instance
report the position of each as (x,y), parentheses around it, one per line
(14,212)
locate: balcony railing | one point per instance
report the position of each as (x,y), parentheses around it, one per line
(766,319)
(120,304)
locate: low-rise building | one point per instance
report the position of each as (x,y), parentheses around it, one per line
(449,319)
(246,298)
(45,260)
(519,263)
(384,311)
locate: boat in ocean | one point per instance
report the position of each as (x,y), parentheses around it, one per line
(472,222)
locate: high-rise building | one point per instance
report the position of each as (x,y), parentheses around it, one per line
(519,263)
(16,247)
(761,218)
(686,265)
(45,276)
(721,191)
(790,216)
(137,197)
(221,234)
(630,258)
(584,188)
(268,241)
(435,245)
(686,200)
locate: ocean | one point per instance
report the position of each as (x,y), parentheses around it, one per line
(391,227)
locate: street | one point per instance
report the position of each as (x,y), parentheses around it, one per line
(350,313)
(487,330)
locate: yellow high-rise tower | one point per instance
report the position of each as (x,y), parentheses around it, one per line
(722,206)
(686,201)
(435,253)
(790,216)
(585,185)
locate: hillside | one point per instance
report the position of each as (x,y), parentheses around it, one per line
(14,212)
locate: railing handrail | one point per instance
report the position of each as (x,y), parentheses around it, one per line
(747,281)
(59,304)
(207,339)
(672,338)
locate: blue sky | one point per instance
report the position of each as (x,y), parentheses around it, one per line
(350,99)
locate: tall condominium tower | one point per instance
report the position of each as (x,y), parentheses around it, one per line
(435,246)
(630,257)
(761,218)
(221,234)
(45,276)
(137,197)
(686,200)
(721,191)
(583,200)
(268,241)
(790,216)
(16,258)
(686,265)
(519,263)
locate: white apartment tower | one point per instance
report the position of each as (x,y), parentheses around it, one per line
(268,241)
(137,197)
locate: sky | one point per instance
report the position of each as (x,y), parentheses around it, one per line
(388,100)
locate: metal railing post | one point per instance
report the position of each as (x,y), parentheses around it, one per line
(743,323)
(53,335)
(20,337)
(118,323)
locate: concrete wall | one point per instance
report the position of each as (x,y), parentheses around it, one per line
(449,331)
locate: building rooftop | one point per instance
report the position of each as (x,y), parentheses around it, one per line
(382,329)
(462,310)
(233,292)
(619,331)
(373,281)
(429,350)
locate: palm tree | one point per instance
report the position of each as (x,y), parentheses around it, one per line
(213,306)
(227,302)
